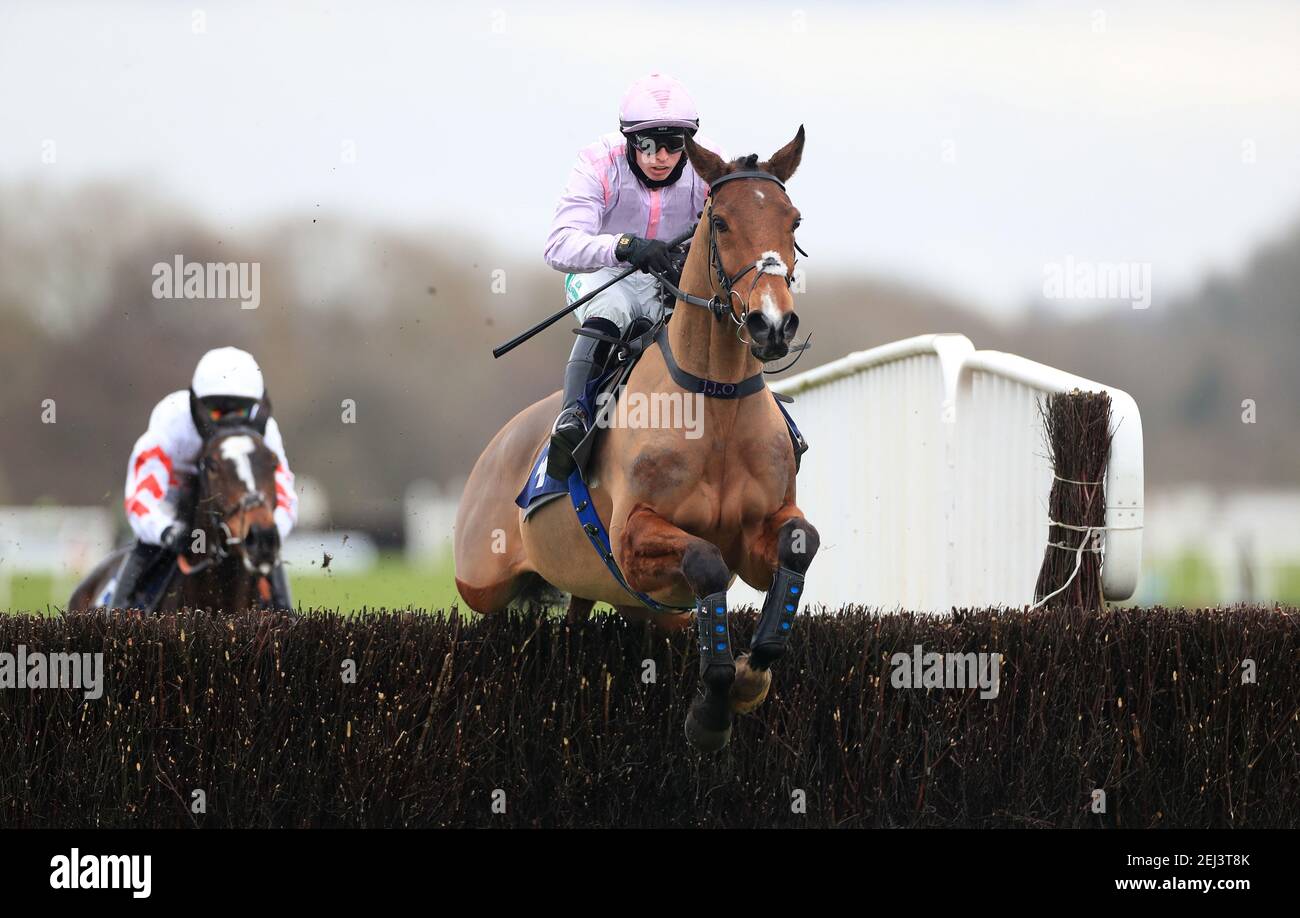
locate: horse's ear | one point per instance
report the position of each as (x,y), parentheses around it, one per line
(785,160)
(708,165)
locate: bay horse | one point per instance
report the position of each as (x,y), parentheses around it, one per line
(685,515)
(228,567)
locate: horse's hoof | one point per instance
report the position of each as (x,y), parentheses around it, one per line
(750,688)
(704,739)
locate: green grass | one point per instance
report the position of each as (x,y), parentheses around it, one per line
(1288,589)
(1192,581)
(392,584)
(24,591)
(395,584)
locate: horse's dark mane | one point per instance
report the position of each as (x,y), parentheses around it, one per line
(746,161)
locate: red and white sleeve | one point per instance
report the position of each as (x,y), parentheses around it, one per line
(286,498)
(148,477)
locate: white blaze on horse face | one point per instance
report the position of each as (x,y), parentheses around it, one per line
(237,451)
(771,263)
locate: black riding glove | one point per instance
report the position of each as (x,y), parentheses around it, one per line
(678,258)
(646,254)
(175,537)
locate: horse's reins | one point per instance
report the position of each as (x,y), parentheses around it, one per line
(218,517)
(721,304)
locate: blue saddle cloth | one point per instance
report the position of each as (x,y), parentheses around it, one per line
(540,488)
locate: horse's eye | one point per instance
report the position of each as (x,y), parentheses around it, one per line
(720,224)
(796,224)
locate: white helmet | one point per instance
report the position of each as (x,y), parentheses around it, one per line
(228,371)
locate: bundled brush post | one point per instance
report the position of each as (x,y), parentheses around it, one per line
(1076,426)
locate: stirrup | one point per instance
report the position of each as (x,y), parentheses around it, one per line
(574,410)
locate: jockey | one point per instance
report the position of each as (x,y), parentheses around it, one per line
(161,476)
(630,190)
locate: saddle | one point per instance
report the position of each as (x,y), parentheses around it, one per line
(601,395)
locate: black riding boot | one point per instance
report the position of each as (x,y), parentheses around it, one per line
(587,358)
(139,562)
(280,598)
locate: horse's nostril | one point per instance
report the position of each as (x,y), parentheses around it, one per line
(261,539)
(789,326)
(759,326)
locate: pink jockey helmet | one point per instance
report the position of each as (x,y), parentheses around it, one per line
(657,100)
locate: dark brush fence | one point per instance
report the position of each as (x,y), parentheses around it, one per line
(560,726)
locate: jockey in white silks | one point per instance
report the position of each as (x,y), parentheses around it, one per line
(630,190)
(161,476)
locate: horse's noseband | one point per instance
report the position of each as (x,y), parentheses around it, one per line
(249,501)
(720,303)
(770,264)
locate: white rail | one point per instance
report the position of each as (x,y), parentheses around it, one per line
(928,477)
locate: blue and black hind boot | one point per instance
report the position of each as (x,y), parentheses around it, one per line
(586,360)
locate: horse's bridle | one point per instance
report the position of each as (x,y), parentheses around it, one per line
(249,501)
(217,519)
(721,303)
(772,264)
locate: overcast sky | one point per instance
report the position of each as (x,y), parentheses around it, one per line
(955,145)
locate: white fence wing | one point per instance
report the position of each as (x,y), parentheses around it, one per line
(928,476)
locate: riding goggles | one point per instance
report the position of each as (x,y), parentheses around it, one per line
(228,410)
(673,142)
